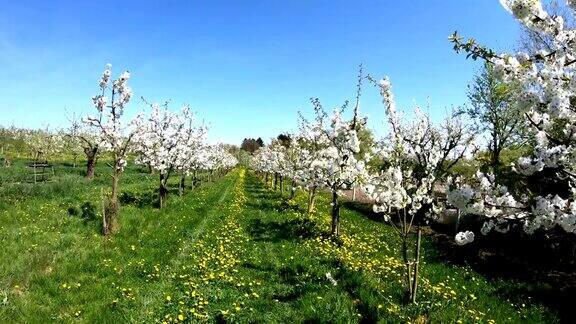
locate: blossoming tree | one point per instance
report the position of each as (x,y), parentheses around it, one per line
(88,141)
(266,161)
(335,164)
(293,166)
(72,144)
(161,140)
(418,155)
(43,144)
(111,129)
(190,154)
(216,158)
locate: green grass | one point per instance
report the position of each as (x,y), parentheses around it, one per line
(231,250)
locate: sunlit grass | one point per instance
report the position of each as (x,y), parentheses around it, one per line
(230,250)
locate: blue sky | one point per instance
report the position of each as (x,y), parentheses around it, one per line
(247,67)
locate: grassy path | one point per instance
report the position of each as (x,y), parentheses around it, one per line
(166,282)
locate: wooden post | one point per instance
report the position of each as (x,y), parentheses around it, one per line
(407,266)
(335,214)
(416,264)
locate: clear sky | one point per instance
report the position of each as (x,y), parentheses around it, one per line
(247,67)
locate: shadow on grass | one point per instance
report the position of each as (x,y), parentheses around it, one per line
(256,191)
(273,205)
(354,285)
(140,198)
(150,197)
(266,200)
(364,209)
(533,269)
(535,272)
(277,231)
(296,284)
(290,279)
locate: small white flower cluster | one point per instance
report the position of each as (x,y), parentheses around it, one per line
(331,279)
(463,238)
(119,88)
(388,191)
(108,125)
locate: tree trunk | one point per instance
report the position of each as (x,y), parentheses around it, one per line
(162,190)
(91,154)
(292,190)
(90,167)
(311,197)
(495,160)
(275,181)
(335,214)
(495,155)
(182,184)
(110,215)
(458,214)
(496,165)
(281,186)
(416,265)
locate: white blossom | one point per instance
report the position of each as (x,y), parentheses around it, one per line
(463,238)
(548,87)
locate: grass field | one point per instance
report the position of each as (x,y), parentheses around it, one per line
(230,250)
